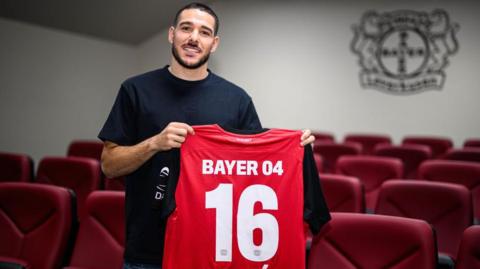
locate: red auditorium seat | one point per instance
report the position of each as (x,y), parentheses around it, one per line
(438,145)
(352,240)
(93,149)
(343,193)
(15,167)
(115,184)
(330,152)
(86,148)
(101,236)
(464,173)
(469,252)
(35,225)
(323,136)
(372,171)
(472,142)
(411,155)
(368,141)
(77,173)
(318,162)
(446,206)
(465,154)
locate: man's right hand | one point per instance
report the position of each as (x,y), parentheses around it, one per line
(122,160)
(171,137)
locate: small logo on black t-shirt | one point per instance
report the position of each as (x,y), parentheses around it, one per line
(161,185)
(164,172)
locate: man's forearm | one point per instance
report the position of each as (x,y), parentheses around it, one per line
(122,160)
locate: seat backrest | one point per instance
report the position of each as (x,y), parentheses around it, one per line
(446,206)
(35,223)
(352,240)
(469,252)
(86,148)
(101,236)
(412,156)
(465,154)
(368,141)
(76,173)
(343,193)
(15,167)
(438,145)
(318,161)
(458,172)
(330,152)
(323,137)
(114,184)
(472,142)
(372,171)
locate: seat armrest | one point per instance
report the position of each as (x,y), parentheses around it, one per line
(445,261)
(13,263)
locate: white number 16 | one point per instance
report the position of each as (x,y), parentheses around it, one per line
(221,200)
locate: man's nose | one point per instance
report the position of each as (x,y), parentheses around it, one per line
(194,36)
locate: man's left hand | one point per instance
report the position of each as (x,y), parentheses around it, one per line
(307,138)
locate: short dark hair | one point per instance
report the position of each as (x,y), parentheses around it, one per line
(202,7)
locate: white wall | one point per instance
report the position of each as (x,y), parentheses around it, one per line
(294,60)
(55,87)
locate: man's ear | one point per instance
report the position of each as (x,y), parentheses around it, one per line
(170,34)
(216,42)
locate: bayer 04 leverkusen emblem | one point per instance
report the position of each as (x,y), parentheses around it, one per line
(404,51)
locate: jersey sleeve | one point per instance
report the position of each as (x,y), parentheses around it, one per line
(316,212)
(120,125)
(248,119)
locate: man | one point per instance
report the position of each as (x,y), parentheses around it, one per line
(151,118)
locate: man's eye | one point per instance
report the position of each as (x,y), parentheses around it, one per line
(186,28)
(206,33)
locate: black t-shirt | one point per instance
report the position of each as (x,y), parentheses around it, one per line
(144,106)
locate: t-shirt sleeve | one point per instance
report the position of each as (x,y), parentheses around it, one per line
(316,212)
(248,117)
(120,125)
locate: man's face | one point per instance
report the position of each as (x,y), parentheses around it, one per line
(193,38)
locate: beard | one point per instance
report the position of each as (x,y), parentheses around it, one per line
(196,65)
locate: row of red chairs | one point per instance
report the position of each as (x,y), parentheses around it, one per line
(39,228)
(82,175)
(411,154)
(447,207)
(38,231)
(368,142)
(79,171)
(372,171)
(19,167)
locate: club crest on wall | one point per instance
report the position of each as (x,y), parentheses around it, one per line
(404,51)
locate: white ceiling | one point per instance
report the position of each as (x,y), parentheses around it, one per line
(125,21)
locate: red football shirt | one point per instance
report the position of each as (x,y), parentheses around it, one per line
(239,202)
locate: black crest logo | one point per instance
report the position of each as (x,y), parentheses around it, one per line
(404,51)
